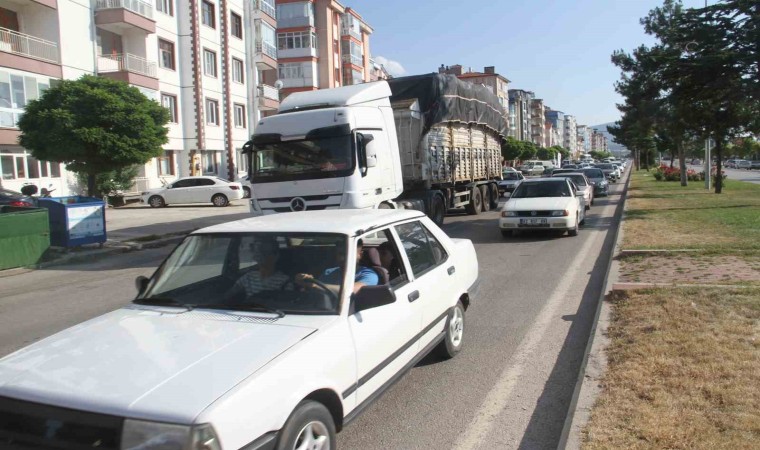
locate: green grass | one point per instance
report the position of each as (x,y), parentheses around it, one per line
(665,215)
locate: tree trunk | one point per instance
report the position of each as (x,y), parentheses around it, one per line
(91,185)
(672,157)
(682,163)
(719,169)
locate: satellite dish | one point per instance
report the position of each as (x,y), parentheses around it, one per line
(278,84)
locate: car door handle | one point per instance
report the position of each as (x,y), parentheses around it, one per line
(451,270)
(414,296)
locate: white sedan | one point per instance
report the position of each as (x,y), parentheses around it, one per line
(214,190)
(266,333)
(543,204)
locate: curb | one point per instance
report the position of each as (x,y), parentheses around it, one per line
(578,410)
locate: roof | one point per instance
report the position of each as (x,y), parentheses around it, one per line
(552,179)
(341,96)
(342,221)
(482,74)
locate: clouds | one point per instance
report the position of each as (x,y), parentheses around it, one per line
(393,67)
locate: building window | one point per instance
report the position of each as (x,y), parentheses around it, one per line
(15,92)
(166,49)
(236,25)
(239,116)
(170,102)
(237,71)
(212,112)
(208,14)
(22,165)
(165,6)
(208,159)
(297,39)
(166,163)
(209,63)
(295,70)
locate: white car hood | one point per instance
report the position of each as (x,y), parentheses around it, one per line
(537,204)
(146,363)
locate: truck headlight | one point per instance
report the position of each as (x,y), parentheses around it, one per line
(509,214)
(142,435)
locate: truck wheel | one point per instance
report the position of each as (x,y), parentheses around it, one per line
(437,210)
(485,194)
(494,195)
(476,202)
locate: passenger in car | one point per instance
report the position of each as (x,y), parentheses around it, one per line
(388,260)
(265,276)
(364,276)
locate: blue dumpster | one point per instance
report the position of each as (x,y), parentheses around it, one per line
(75,220)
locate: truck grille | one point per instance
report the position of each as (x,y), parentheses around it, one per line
(26,425)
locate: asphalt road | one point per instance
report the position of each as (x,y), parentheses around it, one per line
(509,388)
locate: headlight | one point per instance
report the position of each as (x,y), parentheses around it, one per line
(560,213)
(592,183)
(509,214)
(141,435)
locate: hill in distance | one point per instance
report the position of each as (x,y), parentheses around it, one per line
(611,145)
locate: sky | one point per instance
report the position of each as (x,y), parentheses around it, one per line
(559,49)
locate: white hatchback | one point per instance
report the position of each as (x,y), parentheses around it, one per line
(543,204)
(214,190)
(265,333)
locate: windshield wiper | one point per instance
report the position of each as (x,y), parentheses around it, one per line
(243,307)
(162,301)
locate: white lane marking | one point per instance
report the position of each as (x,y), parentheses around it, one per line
(497,397)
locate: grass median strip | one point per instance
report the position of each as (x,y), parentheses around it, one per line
(684,371)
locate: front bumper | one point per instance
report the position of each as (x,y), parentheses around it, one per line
(536,223)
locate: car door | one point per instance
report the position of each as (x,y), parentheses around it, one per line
(433,273)
(204,190)
(177,192)
(385,336)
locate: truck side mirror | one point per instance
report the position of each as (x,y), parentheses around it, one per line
(366,160)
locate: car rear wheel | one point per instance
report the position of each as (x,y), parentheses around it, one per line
(310,426)
(454,336)
(156,201)
(246,192)
(219,200)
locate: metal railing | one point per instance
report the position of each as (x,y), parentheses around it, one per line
(267,8)
(24,44)
(270,92)
(353,59)
(349,31)
(126,63)
(266,48)
(140,7)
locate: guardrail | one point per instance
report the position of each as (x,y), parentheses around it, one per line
(126,63)
(353,59)
(269,92)
(267,49)
(24,44)
(140,7)
(266,8)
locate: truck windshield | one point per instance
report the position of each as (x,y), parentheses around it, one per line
(322,157)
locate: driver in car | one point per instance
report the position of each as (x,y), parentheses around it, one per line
(364,276)
(268,277)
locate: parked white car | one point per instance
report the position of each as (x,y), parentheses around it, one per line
(265,333)
(214,190)
(543,204)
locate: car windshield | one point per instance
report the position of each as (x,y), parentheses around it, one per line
(542,189)
(511,176)
(593,173)
(252,271)
(605,166)
(322,157)
(579,180)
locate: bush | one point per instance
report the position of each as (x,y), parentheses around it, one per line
(668,173)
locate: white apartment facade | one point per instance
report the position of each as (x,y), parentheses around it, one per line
(570,135)
(198,58)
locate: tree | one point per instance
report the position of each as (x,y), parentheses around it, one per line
(107,183)
(596,154)
(94,125)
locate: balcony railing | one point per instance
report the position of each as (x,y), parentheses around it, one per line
(266,48)
(26,45)
(353,59)
(348,31)
(269,92)
(140,7)
(267,8)
(126,63)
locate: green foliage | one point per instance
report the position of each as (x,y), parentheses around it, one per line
(523,150)
(113,181)
(94,125)
(745,148)
(596,154)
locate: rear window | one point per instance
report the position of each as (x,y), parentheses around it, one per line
(594,173)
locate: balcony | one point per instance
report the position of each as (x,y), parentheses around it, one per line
(265,55)
(349,31)
(130,69)
(294,22)
(30,53)
(269,98)
(353,59)
(266,8)
(118,16)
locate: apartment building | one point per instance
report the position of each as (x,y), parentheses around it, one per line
(201,59)
(598,141)
(570,135)
(498,84)
(538,122)
(557,119)
(520,114)
(321,44)
(584,138)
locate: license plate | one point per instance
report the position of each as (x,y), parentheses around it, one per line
(533,222)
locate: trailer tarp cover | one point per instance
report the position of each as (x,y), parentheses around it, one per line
(446,98)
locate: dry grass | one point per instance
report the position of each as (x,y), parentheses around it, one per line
(664,215)
(684,371)
(689,268)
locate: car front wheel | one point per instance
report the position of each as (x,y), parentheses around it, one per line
(219,200)
(573,231)
(156,201)
(452,341)
(310,426)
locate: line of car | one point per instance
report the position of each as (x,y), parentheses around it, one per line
(742,164)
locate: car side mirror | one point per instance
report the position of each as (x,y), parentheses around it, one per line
(370,297)
(141,283)
(579,194)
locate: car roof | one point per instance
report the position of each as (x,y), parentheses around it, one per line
(544,179)
(341,221)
